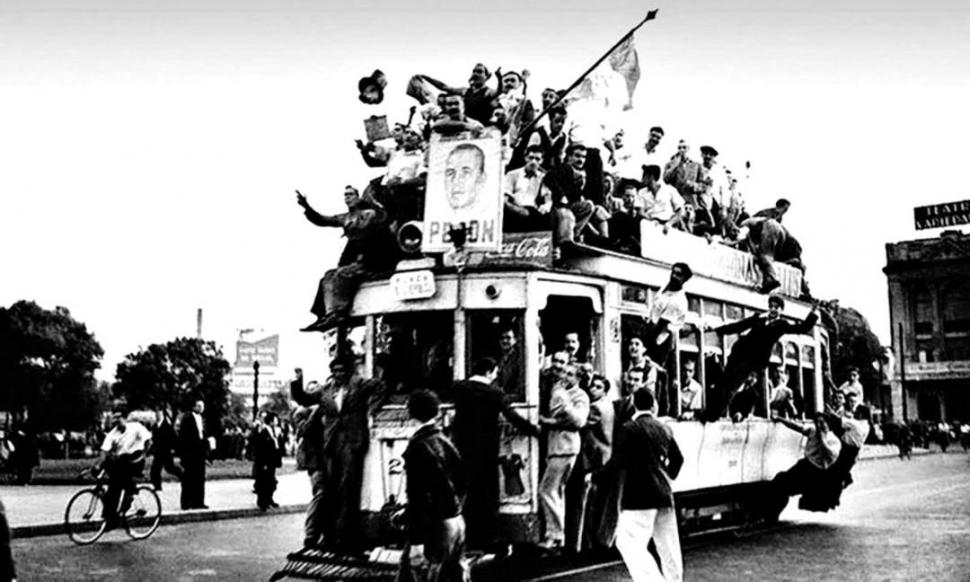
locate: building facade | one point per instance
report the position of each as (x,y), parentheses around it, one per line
(929,309)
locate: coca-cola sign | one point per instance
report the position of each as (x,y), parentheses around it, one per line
(518,248)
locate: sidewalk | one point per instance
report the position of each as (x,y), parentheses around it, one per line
(38,510)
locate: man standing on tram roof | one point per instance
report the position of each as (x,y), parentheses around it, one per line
(752,351)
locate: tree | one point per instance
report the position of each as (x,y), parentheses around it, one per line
(174,374)
(47,364)
(852,343)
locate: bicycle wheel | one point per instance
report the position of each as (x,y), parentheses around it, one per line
(82,518)
(144,514)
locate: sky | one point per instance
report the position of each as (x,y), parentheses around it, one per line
(149,150)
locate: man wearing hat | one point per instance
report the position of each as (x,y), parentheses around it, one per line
(371,88)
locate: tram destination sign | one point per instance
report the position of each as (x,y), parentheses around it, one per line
(940,215)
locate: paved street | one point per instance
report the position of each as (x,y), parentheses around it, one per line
(900,521)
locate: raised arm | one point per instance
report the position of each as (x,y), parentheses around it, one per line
(297,392)
(805,326)
(790,424)
(737,326)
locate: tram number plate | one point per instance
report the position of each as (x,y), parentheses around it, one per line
(413,285)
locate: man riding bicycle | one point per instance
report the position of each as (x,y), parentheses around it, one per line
(123,458)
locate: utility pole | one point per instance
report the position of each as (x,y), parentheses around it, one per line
(198,323)
(255,389)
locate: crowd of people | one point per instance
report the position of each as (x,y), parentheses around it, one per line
(570,176)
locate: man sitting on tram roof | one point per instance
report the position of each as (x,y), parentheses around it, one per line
(662,204)
(577,197)
(527,201)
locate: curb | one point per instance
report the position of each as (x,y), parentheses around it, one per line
(193,516)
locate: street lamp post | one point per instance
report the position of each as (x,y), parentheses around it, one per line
(255,389)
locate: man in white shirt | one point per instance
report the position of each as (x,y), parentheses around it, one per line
(527,201)
(123,458)
(649,156)
(852,385)
(668,312)
(691,397)
(662,203)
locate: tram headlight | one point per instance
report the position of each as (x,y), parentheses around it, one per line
(492,291)
(409,236)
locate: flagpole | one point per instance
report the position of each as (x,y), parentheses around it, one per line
(650,16)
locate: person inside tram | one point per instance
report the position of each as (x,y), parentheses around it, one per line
(782,399)
(510,374)
(745,401)
(691,392)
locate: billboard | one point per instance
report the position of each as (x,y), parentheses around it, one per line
(266,351)
(464,188)
(940,215)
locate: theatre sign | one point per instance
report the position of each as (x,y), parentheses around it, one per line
(940,215)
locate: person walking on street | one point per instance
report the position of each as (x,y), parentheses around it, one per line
(193,450)
(435,492)
(163,449)
(266,459)
(646,451)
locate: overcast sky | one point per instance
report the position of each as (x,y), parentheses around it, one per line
(149,151)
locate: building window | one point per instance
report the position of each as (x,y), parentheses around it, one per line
(923,310)
(956,308)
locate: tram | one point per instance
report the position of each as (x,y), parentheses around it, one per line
(423,325)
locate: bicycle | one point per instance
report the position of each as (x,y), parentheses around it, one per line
(83,520)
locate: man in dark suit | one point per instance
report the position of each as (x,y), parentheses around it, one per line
(577,198)
(163,447)
(752,351)
(646,452)
(267,458)
(435,492)
(347,402)
(478,402)
(193,449)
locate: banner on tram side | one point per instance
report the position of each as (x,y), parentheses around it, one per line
(464,188)
(941,215)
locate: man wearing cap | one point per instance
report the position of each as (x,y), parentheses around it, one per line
(662,204)
(752,351)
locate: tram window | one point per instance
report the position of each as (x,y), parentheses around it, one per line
(414,351)
(713,308)
(733,312)
(499,335)
(694,304)
(567,315)
(795,383)
(776,354)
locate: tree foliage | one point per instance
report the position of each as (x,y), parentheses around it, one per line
(173,374)
(47,364)
(852,343)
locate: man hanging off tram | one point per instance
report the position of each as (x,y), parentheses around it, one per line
(752,351)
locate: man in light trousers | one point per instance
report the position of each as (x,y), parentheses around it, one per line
(645,450)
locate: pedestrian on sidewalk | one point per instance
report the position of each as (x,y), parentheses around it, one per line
(646,451)
(193,451)
(163,449)
(8,570)
(266,459)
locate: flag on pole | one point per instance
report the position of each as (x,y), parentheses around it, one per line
(625,62)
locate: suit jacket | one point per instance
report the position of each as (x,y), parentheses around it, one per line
(266,450)
(349,425)
(563,181)
(475,427)
(435,482)
(164,439)
(646,451)
(192,446)
(597,435)
(763,335)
